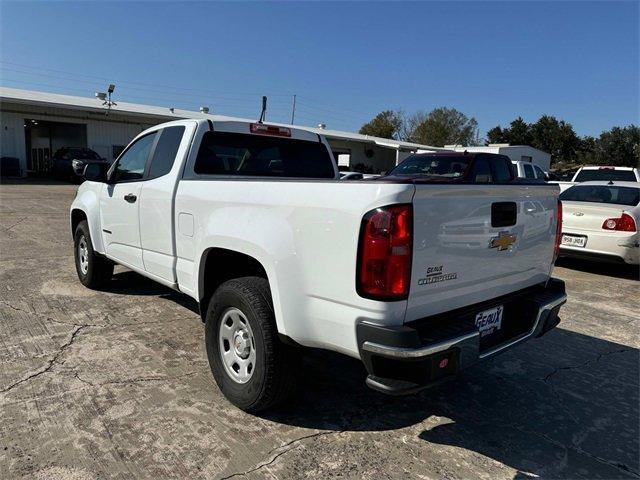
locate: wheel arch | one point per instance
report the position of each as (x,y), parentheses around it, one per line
(77,216)
(217,265)
(86,207)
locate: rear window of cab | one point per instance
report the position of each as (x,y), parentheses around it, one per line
(235,154)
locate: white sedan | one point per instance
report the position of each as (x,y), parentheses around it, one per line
(600,220)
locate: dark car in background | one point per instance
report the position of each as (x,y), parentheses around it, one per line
(69,162)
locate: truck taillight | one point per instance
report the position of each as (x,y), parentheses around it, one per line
(556,250)
(625,223)
(384,254)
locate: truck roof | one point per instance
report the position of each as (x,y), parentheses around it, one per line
(245,126)
(267,129)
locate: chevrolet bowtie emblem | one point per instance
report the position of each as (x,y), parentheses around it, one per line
(503,241)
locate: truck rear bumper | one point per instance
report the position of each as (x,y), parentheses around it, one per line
(425,352)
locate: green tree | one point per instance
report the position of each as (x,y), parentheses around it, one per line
(519,133)
(556,137)
(386,124)
(548,133)
(444,126)
(587,150)
(618,147)
(496,135)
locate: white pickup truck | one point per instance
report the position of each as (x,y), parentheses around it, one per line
(529,170)
(420,273)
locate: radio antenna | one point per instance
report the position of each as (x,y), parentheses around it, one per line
(263,114)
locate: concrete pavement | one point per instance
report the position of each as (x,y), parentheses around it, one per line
(115,384)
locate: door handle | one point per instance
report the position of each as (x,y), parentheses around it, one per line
(130,197)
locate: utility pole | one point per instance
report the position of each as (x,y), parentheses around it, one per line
(293,109)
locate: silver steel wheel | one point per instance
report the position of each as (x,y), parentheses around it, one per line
(83,255)
(237,345)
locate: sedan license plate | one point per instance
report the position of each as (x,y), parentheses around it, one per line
(574,241)
(489,321)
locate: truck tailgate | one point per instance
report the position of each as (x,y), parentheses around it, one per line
(459,258)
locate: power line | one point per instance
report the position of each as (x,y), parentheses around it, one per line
(323,115)
(302,104)
(311,101)
(337,111)
(243,105)
(93,83)
(278,111)
(277,114)
(123,81)
(306,119)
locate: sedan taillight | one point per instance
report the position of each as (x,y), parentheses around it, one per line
(625,223)
(384,253)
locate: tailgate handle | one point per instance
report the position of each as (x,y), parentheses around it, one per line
(504,214)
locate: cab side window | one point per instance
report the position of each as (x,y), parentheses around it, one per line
(130,166)
(539,172)
(164,154)
(502,170)
(481,171)
(528,171)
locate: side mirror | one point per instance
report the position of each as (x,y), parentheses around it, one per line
(96,172)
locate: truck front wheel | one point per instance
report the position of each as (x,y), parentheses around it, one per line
(93,270)
(250,364)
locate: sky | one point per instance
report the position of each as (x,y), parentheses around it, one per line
(345,62)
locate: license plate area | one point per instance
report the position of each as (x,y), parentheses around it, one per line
(489,321)
(516,320)
(574,240)
(518,317)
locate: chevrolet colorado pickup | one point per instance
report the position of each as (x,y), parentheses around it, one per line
(420,273)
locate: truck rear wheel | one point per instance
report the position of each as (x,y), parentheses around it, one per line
(250,364)
(94,271)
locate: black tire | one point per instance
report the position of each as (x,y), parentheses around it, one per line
(272,378)
(99,270)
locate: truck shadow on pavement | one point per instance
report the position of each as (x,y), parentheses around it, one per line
(562,406)
(127,282)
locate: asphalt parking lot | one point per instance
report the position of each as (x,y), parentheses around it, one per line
(115,384)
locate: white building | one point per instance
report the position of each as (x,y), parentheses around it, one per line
(36,124)
(516,153)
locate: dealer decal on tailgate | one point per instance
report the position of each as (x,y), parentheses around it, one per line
(436,274)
